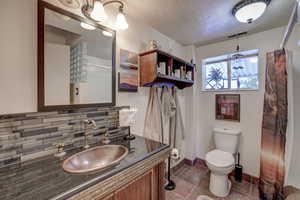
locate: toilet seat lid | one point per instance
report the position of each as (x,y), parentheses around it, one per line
(219,158)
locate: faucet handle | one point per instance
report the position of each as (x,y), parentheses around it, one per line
(92,123)
(106,139)
(89,123)
(60,149)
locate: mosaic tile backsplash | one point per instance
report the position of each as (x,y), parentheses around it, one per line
(31,135)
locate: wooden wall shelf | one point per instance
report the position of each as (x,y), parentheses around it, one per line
(157,66)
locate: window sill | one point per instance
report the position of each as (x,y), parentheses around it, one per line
(230,90)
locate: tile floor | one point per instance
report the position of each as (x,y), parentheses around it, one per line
(194,181)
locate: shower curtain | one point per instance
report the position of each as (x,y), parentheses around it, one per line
(274,127)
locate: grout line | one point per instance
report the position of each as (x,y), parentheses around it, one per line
(189,195)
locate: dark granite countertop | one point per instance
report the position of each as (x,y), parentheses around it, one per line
(44,178)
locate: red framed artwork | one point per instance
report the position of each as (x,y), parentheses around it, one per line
(228,107)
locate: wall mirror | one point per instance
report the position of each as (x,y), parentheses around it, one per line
(76,61)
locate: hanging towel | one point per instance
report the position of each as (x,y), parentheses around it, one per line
(172,116)
(179,120)
(168,103)
(153,128)
(168,107)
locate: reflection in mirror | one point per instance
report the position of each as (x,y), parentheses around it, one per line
(78,62)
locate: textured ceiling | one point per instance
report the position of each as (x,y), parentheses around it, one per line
(203,21)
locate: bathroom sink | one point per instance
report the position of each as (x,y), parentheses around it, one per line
(95,159)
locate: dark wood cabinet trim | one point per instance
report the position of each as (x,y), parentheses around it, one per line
(109,197)
(161,181)
(41,57)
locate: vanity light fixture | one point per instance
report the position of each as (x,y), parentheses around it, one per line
(96,11)
(248,11)
(87,26)
(121,22)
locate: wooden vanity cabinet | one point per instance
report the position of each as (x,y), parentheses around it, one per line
(149,185)
(142,188)
(142,181)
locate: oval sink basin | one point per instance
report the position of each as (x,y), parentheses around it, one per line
(95,159)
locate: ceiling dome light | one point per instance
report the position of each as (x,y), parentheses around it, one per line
(248,11)
(87,26)
(98,13)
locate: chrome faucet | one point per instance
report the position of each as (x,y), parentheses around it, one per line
(88,124)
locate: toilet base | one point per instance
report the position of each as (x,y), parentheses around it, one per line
(219,185)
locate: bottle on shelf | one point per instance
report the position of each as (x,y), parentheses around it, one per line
(177,73)
(182,73)
(169,70)
(189,75)
(161,68)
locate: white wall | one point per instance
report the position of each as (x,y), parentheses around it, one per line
(96,89)
(251,101)
(18,60)
(57,70)
(190,111)
(136,39)
(18,56)
(293,175)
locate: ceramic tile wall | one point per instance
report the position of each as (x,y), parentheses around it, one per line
(31,135)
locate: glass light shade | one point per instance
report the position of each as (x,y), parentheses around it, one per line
(121,22)
(251,12)
(87,26)
(106,33)
(98,12)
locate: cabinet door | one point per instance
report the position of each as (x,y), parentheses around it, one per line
(109,197)
(141,189)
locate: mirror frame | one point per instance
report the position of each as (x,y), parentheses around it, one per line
(42,5)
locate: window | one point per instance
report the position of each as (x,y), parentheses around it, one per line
(238,71)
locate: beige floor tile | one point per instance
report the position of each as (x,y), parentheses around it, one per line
(173,196)
(193,175)
(183,187)
(243,187)
(237,196)
(194,181)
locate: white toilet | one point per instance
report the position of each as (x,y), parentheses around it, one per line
(221,161)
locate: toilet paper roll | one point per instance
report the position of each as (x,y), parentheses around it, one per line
(175,154)
(127,117)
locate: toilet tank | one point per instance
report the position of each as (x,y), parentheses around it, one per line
(227,139)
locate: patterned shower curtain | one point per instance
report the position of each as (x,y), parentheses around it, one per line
(274,127)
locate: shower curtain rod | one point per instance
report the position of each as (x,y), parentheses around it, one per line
(291,25)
